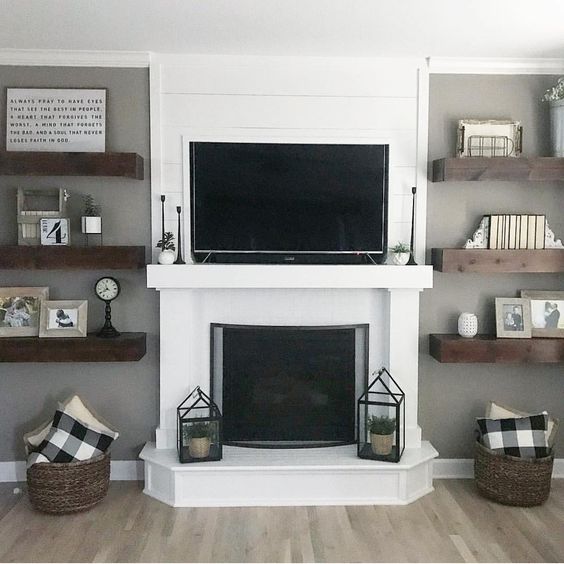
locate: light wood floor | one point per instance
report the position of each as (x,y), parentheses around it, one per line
(453,524)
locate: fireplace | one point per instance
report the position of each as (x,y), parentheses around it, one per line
(288,386)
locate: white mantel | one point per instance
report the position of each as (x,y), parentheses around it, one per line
(289,276)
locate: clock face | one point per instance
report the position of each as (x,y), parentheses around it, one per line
(107,288)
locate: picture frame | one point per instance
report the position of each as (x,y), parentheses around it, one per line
(55,231)
(489,138)
(547,312)
(64,318)
(20,310)
(513,318)
(56,119)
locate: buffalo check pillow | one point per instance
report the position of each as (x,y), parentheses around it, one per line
(70,440)
(521,436)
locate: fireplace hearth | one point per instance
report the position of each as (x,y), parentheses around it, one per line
(288,386)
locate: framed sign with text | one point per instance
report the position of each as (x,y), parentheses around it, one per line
(56,119)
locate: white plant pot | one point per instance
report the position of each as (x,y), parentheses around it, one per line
(557,127)
(400,259)
(467,325)
(166,257)
(91,225)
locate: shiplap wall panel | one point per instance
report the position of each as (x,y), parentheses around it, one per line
(403,143)
(288,112)
(291,77)
(242,99)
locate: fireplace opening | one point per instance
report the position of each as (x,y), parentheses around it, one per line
(288,387)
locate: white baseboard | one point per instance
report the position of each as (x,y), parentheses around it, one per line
(445,468)
(14,471)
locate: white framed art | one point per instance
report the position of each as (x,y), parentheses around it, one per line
(64,318)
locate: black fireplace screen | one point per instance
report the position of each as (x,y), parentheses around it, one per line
(288,386)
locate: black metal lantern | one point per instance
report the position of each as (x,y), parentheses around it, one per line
(381,419)
(199,428)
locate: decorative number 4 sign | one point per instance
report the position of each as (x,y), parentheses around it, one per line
(55,231)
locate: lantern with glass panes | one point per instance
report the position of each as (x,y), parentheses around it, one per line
(381,419)
(199,428)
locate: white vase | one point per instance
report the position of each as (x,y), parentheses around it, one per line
(166,257)
(467,325)
(91,225)
(400,259)
(557,127)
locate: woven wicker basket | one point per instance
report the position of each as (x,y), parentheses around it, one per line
(69,487)
(511,480)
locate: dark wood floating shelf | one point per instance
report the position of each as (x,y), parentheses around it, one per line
(71,258)
(488,348)
(498,168)
(128,165)
(127,347)
(494,261)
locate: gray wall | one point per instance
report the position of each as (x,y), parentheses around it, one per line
(451,396)
(126,394)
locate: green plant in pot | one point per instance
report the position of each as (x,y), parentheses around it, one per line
(555,98)
(91,220)
(382,431)
(198,436)
(166,244)
(400,254)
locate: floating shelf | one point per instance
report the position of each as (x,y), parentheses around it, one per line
(495,261)
(488,348)
(128,165)
(498,168)
(71,258)
(127,347)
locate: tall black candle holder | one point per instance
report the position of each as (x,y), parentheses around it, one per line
(179,259)
(411,261)
(163,198)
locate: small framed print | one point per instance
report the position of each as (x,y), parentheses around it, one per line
(513,318)
(20,311)
(54,231)
(489,138)
(547,312)
(64,318)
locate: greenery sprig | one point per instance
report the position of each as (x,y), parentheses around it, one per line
(556,92)
(381,425)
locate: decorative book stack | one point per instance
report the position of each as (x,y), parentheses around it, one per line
(511,231)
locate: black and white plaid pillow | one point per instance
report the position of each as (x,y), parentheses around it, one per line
(70,440)
(521,436)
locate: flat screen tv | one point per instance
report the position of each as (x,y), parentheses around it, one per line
(270,202)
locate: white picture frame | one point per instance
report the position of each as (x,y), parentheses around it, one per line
(513,318)
(547,312)
(20,310)
(489,138)
(64,318)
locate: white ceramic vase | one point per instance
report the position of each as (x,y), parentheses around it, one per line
(557,127)
(91,225)
(400,259)
(467,325)
(166,257)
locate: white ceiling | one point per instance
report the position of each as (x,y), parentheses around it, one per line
(456,28)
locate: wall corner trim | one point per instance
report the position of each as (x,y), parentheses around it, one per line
(126,470)
(491,65)
(64,58)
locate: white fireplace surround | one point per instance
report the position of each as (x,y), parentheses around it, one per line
(194,296)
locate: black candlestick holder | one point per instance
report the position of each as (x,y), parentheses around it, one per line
(179,259)
(163,198)
(411,261)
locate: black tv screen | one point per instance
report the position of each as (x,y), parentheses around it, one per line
(288,199)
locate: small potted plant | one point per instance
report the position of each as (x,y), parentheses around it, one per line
(400,254)
(91,220)
(166,244)
(199,439)
(381,434)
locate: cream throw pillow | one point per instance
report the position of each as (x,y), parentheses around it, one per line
(79,410)
(496,410)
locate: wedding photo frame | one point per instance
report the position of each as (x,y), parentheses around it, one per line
(547,312)
(64,318)
(513,318)
(20,310)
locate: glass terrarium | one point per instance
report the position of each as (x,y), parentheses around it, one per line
(381,419)
(199,428)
